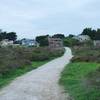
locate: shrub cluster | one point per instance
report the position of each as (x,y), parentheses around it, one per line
(44,53)
(87,54)
(19,57)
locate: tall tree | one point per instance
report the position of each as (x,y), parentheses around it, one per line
(42,40)
(58,36)
(97,35)
(71,35)
(11,36)
(3,35)
(89,32)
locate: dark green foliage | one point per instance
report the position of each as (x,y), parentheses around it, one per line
(13,58)
(94,34)
(3,35)
(17,42)
(70,42)
(61,36)
(87,54)
(42,53)
(89,32)
(58,53)
(97,36)
(42,40)
(71,35)
(9,36)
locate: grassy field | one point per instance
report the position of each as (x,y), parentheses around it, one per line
(74,79)
(7,78)
(81,78)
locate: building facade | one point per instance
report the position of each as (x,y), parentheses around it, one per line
(6,42)
(82,38)
(55,43)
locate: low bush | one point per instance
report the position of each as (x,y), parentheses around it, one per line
(40,56)
(42,53)
(85,59)
(56,53)
(71,42)
(18,57)
(86,54)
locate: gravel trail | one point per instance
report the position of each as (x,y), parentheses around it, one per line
(39,84)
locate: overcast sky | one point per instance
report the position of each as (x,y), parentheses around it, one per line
(30,18)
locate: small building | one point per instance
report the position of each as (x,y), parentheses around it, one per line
(29,42)
(82,38)
(55,43)
(6,42)
(96,43)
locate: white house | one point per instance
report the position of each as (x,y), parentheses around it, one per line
(82,38)
(6,42)
(29,42)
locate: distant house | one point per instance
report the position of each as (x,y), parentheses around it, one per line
(6,42)
(55,43)
(29,42)
(82,38)
(96,43)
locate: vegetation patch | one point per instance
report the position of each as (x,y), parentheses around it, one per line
(19,60)
(86,54)
(8,77)
(74,79)
(81,78)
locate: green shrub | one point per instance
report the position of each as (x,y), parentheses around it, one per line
(71,42)
(18,57)
(86,54)
(56,53)
(40,56)
(85,59)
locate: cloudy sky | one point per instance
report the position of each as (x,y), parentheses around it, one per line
(30,18)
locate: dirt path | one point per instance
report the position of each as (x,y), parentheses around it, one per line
(39,84)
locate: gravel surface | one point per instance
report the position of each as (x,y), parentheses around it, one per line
(39,84)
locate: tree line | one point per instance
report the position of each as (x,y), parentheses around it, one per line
(43,40)
(94,34)
(69,40)
(8,35)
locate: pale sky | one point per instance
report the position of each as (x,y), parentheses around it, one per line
(30,18)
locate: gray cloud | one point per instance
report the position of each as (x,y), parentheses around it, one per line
(36,17)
